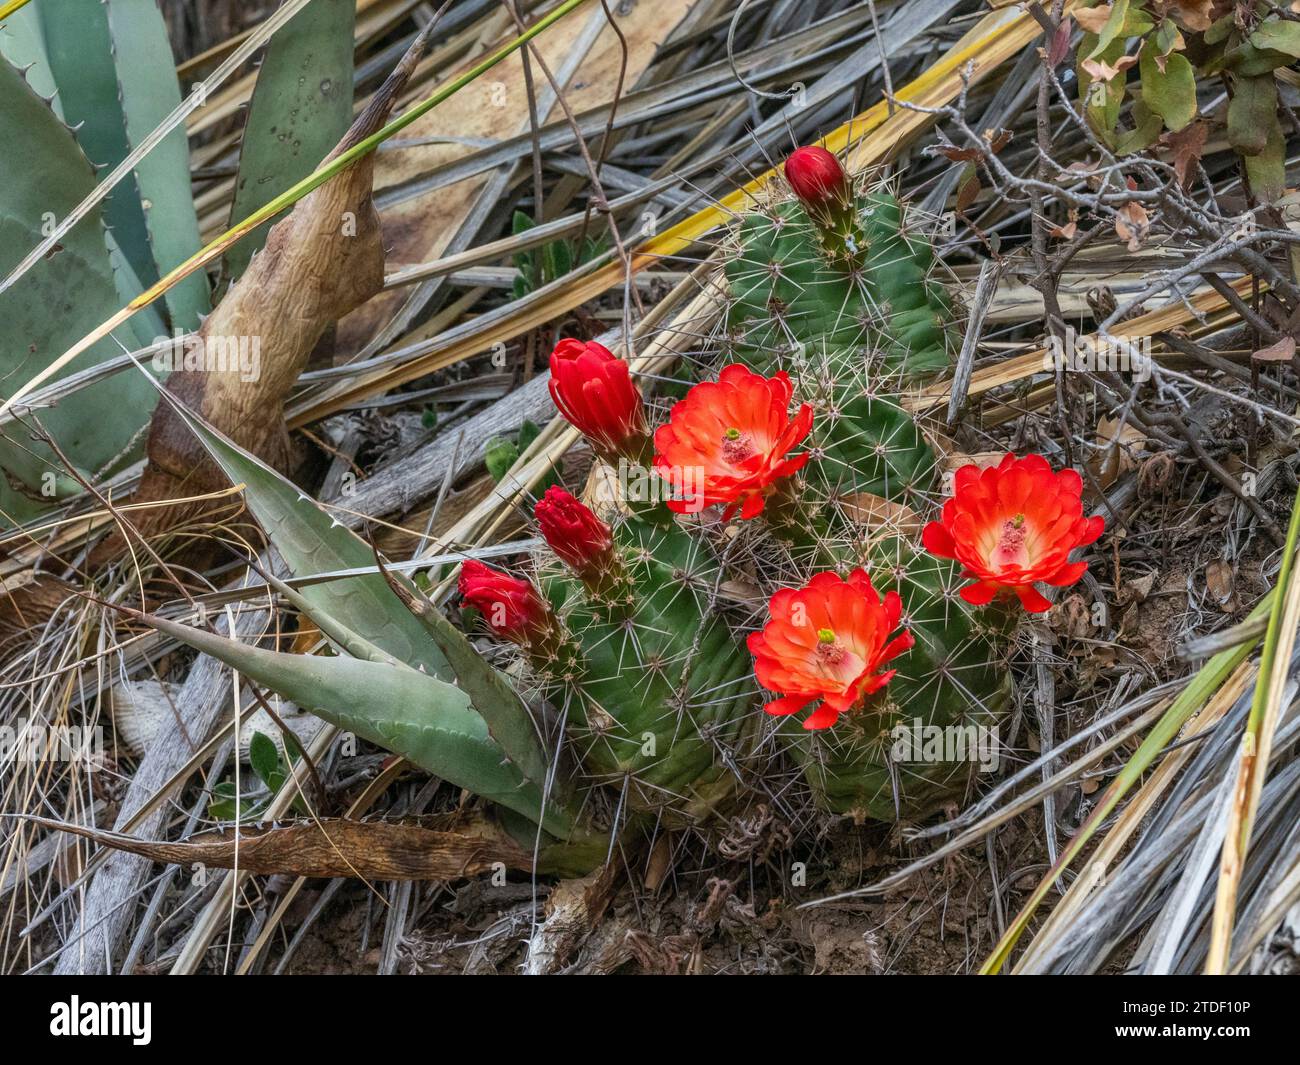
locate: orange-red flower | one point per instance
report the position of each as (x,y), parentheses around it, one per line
(828,640)
(1013,525)
(727,442)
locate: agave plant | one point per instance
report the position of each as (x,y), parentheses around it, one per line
(628,640)
(84,86)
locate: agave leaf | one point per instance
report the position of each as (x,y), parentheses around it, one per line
(404,612)
(149,92)
(301,107)
(66,293)
(311,542)
(426,720)
(506,714)
(80,55)
(22,42)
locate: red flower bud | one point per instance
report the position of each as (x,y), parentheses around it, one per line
(512,607)
(595,393)
(817,177)
(580,539)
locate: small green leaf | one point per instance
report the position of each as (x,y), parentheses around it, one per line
(225,802)
(264,758)
(1247,61)
(1144,134)
(1220,29)
(1110,30)
(1267,169)
(528,432)
(1278,36)
(1252,113)
(1167,37)
(500,454)
(1169,93)
(1101,100)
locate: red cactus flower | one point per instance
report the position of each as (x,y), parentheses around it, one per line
(595,393)
(817,177)
(580,539)
(512,607)
(727,442)
(828,641)
(1013,525)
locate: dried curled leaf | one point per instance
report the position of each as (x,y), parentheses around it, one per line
(1132,224)
(877,512)
(1281,351)
(444,847)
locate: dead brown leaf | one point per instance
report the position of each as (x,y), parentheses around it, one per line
(1108,466)
(1187,145)
(1132,224)
(1196,15)
(1100,70)
(1093,19)
(1280,351)
(444,847)
(1221,583)
(878,513)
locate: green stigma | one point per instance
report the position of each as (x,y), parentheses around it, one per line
(732,434)
(825,635)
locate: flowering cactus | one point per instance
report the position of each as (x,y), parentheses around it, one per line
(626,628)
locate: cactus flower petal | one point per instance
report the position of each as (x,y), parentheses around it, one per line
(828,641)
(1012,526)
(729,440)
